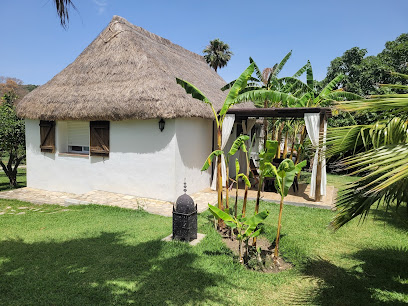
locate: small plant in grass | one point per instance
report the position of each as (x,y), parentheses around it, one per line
(238,144)
(265,157)
(246,227)
(284,176)
(237,177)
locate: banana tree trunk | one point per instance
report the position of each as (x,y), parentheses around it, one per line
(227,186)
(246,187)
(278,155)
(299,151)
(265,125)
(258,196)
(219,178)
(293,146)
(273,130)
(276,253)
(285,147)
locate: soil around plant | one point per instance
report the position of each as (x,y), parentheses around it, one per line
(263,262)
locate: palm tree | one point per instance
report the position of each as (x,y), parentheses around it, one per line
(217,54)
(62,7)
(380,156)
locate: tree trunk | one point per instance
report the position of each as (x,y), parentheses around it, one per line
(299,150)
(265,124)
(278,155)
(273,136)
(9,170)
(246,187)
(276,253)
(236,202)
(293,145)
(219,178)
(227,186)
(285,147)
(258,196)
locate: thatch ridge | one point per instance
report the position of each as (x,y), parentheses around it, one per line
(126,73)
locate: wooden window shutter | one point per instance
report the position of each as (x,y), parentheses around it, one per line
(99,140)
(47,136)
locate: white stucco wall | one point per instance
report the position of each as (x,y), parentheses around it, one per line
(143,161)
(194,137)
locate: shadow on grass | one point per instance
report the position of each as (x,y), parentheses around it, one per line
(103,270)
(398,218)
(380,278)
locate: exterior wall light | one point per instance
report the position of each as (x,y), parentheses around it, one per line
(161,124)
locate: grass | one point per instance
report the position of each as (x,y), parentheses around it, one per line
(95,255)
(5,183)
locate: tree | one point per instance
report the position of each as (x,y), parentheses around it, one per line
(381,156)
(12,141)
(14,88)
(62,7)
(363,74)
(230,101)
(217,54)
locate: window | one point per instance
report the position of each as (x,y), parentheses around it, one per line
(99,143)
(78,137)
(47,136)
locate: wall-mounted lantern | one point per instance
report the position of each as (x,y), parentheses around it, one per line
(161,124)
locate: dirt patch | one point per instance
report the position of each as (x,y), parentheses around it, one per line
(260,258)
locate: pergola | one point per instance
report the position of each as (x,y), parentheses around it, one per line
(291,112)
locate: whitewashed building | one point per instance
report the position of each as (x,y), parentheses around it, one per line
(116,120)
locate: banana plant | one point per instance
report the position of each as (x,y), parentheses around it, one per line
(284,177)
(237,144)
(230,101)
(265,157)
(246,227)
(267,90)
(237,177)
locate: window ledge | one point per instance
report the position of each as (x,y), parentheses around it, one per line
(74,155)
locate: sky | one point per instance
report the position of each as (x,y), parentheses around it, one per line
(34,47)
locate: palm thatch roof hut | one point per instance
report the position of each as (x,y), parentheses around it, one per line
(126,73)
(116,120)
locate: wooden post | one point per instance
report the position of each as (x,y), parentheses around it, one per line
(319,160)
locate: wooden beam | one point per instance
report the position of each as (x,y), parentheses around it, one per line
(278,112)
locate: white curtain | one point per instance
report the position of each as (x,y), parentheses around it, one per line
(227,126)
(312,126)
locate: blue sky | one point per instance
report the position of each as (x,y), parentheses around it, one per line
(34,47)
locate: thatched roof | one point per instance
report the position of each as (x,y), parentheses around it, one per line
(126,73)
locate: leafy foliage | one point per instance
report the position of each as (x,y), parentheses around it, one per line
(382,158)
(12,139)
(246,227)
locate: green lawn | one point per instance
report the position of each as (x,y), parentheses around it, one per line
(84,255)
(5,183)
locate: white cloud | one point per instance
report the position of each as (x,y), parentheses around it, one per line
(101,5)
